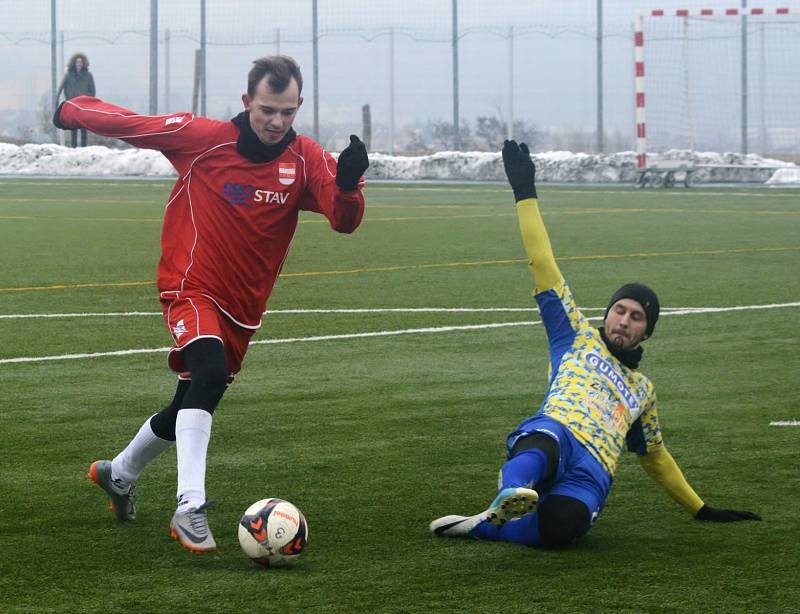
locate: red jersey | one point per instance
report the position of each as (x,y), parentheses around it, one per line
(229,220)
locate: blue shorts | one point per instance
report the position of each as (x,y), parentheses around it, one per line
(579,475)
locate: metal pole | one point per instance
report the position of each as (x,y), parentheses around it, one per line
(62,137)
(510,129)
(167,42)
(153,57)
(196,81)
(762,89)
(53,60)
(456,129)
(744,77)
(600,129)
(315,61)
(391,91)
(203,57)
(61,60)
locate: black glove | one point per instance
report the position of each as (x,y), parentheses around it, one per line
(351,165)
(520,170)
(713,514)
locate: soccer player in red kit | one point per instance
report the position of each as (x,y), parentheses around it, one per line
(227,229)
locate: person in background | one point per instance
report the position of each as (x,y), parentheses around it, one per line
(77,81)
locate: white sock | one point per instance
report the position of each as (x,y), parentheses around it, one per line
(192,434)
(128,465)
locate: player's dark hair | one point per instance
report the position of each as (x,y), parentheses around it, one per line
(280,68)
(75,58)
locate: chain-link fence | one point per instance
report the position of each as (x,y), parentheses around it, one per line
(436,74)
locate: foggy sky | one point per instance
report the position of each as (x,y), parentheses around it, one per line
(554,76)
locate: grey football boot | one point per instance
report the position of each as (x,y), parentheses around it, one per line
(120,499)
(191,529)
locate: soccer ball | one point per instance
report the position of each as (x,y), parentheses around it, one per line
(273,532)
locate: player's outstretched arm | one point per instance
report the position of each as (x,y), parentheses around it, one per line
(177,132)
(660,466)
(521,174)
(352,163)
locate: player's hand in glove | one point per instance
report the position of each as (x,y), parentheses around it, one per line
(713,514)
(351,165)
(520,170)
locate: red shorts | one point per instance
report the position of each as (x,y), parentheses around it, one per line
(190,317)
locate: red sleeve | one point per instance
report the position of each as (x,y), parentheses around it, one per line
(177,133)
(344,210)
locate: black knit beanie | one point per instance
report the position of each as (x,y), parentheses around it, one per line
(642,295)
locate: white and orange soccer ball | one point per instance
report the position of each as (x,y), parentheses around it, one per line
(273,532)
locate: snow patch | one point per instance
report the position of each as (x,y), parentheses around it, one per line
(551,166)
(785,176)
(87,161)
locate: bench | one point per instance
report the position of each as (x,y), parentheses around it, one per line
(665,174)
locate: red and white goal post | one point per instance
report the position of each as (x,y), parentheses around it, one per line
(702,95)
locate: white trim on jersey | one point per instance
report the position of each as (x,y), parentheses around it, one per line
(196,319)
(229,316)
(187,179)
(169,202)
(135,136)
(201,154)
(305,179)
(183,347)
(294,231)
(194,226)
(325,160)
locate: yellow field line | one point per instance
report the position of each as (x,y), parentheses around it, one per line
(97,201)
(744,250)
(411,218)
(109,284)
(707,252)
(437,265)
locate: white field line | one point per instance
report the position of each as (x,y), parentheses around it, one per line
(376,310)
(785,423)
(20,316)
(383,333)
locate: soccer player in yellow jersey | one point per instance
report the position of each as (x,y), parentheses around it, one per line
(561,461)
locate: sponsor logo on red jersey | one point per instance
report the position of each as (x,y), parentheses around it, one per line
(240,195)
(287,172)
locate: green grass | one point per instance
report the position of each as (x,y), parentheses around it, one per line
(374,437)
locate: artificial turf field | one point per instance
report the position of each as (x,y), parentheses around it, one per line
(374,436)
